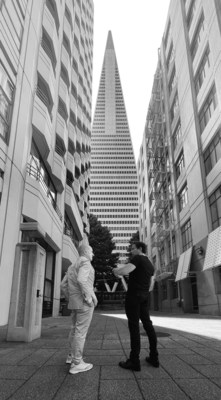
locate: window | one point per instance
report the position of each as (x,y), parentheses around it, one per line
(183,198)
(172,82)
(167,34)
(170,56)
(208,109)
(6,97)
(213,153)
(174,108)
(172,251)
(197,37)
(202,70)
(186,235)
(215,208)
(176,135)
(191,14)
(179,165)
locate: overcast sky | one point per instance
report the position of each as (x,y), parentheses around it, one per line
(137,29)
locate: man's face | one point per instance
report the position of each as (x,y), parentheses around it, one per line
(134,250)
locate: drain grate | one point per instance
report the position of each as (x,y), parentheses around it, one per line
(159,334)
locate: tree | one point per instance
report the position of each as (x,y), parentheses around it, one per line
(100,239)
(134,238)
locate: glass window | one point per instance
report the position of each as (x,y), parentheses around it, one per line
(191,13)
(179,165)
(6,97)
(202,70)
(186,235)
(197,37)
(213,153)
(183,198)
(176,135)
(215,208)
(208,109)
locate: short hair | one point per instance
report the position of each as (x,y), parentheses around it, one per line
(141,245)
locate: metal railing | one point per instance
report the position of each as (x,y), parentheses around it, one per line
(36,174)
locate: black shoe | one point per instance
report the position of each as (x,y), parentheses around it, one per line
(153,361)
(130,365)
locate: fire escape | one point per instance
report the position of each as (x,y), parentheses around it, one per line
(159,178)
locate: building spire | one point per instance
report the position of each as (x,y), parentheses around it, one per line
(110,43)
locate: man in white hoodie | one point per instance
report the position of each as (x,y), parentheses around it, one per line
(78,288)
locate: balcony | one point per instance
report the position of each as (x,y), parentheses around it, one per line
(81,206)
(72,133)
(40,208)
(50,27)
(74,76)
(69,252)
(42,128)
(77,160)
(45,69)
(63,93)
(67,29)
(72,210)
(76,188)
(65,59)
(61,129)
(73,104)
(59,172)
(70,163)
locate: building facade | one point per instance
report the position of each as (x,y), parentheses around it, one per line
(46,56)
(180,162)
(113,194)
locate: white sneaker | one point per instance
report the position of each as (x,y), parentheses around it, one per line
(69,359)
(82,367)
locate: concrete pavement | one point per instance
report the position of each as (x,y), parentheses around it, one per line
(189,352)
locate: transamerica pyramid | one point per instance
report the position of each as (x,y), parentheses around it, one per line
(114,186)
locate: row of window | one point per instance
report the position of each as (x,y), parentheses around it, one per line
(117,192)
(112,216)
(99,210)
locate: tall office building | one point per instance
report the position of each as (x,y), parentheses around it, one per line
(46,54)
(113,194)
(180,161)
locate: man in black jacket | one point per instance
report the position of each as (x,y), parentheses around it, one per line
(141,272)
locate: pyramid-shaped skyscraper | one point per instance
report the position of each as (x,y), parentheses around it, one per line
(114,186)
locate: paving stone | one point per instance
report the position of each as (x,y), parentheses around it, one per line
(115,372)
(105,360)
(194,359)
(16,372)
(178,350)
(104,352)
(15,356)
(8,387)
(177,368)
(111,344)
(93,344)
(217,381)
(212,371)
(200,389)
(43,385)
(166,389)
(120,390)
(57,358)
(39,357)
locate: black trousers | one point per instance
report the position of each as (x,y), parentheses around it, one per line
(137,308)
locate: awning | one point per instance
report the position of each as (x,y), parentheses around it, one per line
(213,250)
(184,265)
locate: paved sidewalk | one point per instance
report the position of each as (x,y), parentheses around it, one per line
(190,364)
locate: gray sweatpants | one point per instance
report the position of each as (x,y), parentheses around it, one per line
(81,320)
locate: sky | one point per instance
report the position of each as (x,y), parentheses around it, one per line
(137,28)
